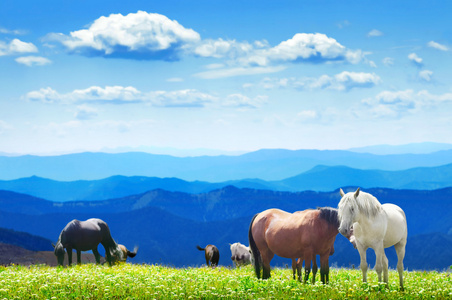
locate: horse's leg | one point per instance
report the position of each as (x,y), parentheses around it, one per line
(381,258)
(266,258)
(400,249)
(324,268)
(294,267)
(315,268)
(69,256)
(79,257)
(299,265)
(307,266)
(107,255)
(96,255)
(363,258)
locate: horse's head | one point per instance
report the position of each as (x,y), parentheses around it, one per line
(121,253)
(59,252)
(347,212)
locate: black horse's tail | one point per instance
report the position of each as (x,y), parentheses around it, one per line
(199,248)
(132,254)
(256,253)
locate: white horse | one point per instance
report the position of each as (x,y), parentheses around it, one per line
(367,223)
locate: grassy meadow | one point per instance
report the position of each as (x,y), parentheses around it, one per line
(128,281)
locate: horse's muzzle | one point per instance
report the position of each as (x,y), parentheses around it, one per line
(345,231)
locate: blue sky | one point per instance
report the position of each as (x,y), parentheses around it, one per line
(226,75)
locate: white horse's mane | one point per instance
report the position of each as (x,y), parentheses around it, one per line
(364,202)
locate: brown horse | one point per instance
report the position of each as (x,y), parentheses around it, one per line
(301,235)
(212,255)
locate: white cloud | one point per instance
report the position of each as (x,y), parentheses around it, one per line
(15,31)
(136,35)
(180,98)
(306,47)
(85,112)
(242,101)
(109,94)
(306,116)
(123,95)
(415,59)
(15,47)
(374,33)
(238,71)
(394,104)
(175,79)
(343,81)
(31,61)
(437,46)
(221,48)
(388,61)
(426,75)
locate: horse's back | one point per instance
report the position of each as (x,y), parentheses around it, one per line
(285,234)
(83,235)
(397,226)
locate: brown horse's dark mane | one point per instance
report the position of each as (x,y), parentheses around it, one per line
(330,215)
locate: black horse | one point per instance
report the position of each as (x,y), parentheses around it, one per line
(87,235)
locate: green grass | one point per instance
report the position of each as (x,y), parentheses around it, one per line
(127,281)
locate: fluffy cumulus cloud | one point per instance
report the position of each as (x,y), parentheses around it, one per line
(437,46)
(31,61)
(16,47)
(343,81)
(129,95)
(304,47)
(145,35)
(394,104)
(138,35)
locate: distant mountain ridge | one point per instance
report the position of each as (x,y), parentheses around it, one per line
(269,165)
(320,178)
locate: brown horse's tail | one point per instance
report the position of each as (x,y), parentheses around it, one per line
(199,248)
(256,253)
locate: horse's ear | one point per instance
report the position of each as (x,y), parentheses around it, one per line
(342,193)
(357,193)
(53,245)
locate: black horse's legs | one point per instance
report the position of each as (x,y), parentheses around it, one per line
(108,255)
(69,256)
(96,255)
(79,257)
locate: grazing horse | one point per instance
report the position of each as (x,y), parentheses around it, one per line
(369,224)
(241,254)
(87,235)
(301,235)
(212,255)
